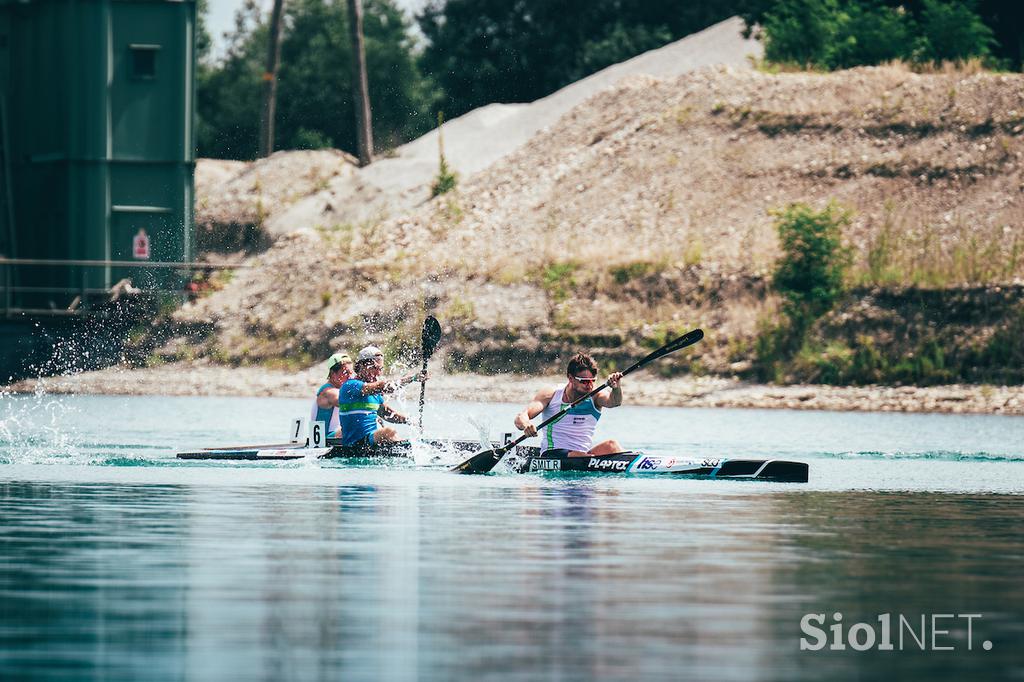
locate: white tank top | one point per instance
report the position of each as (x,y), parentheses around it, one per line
(329,415)
(575,430)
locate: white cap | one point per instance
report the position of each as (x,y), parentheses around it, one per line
(369,353)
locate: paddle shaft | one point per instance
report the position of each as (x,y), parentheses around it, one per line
(683,341)
(423,393)
(428,342)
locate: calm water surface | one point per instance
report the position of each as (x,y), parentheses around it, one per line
(119,562)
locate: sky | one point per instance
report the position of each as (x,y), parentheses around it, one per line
(221,17)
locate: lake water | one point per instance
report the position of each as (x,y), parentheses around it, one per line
(118,561)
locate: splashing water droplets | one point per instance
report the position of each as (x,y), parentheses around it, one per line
(32,429)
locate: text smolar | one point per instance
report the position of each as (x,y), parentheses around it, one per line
(910,635)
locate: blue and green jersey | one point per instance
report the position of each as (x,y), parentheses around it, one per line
(358,412)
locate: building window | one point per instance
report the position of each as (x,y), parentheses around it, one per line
(143,61)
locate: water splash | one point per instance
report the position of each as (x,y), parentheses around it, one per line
(936,455)
(483,430)
(33,428)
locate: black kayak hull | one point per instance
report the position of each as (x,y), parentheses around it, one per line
(525,459)
(530,459)
(333,450)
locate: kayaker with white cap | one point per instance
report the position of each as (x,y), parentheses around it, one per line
(361,402)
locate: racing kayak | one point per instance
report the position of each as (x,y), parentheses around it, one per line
(333,449)
(526,459)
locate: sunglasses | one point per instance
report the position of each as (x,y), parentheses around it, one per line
(585,380)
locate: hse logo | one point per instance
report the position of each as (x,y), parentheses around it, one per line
(648,463)
(607,464)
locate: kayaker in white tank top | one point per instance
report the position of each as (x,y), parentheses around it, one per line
(574,432)
(325,403)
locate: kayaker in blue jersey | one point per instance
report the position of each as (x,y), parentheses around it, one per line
(361,402)
(325,405)
(573,434)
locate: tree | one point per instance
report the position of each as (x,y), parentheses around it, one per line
(360,86)
(811,272)
(483,51)
(844,33)
(228,92)
(270,81)
(869,33)
(800,31)
(314,101)
(952,31)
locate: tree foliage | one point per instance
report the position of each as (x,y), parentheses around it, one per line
(483,51)
(834,34)
(811,272)
(951,31)
(315,107)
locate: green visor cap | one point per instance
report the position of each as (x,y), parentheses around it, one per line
(337,359)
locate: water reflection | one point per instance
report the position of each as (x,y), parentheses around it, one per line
(536,580)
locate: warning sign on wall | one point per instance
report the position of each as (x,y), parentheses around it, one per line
(140,245)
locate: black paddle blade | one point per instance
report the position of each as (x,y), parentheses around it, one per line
(687,339)
(431,335)
(480,463)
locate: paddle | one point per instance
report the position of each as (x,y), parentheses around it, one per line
(429,338)
(484,461)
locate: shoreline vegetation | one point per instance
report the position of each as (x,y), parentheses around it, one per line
(185,379)
(856,229)
(851,240)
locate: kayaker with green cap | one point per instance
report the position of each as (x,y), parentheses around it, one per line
(325,405)
(361,402)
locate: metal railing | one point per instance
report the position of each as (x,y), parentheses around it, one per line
(83,291)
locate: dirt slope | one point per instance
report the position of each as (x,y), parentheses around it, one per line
(261,201)
(645,210)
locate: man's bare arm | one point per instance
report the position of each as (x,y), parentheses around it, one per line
(535,407)
(328,398)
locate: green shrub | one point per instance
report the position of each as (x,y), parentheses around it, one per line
(800,31)
(811,273)
(558,279)
(623,274)
(950,30)
(837,34)
(868,366)
(828,365)
(869,34)
(305,138)
(447,179)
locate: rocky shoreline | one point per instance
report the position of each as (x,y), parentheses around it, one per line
(183,379)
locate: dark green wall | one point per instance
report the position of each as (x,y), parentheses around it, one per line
(97,149)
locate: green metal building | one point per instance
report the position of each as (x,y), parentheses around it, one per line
(96,144)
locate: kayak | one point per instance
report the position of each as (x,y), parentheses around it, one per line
(528,459)
(333,449)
